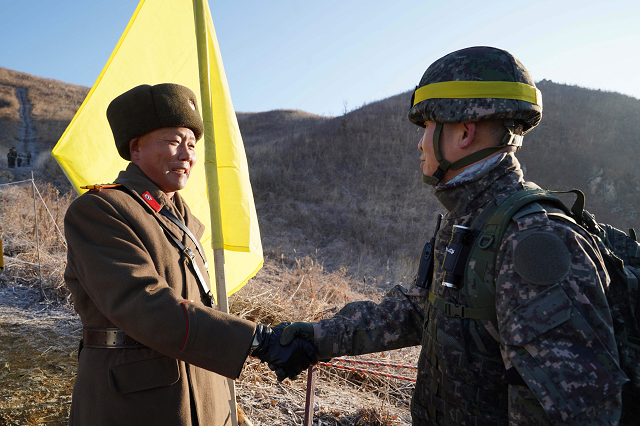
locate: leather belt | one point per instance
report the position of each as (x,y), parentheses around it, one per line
(107,338)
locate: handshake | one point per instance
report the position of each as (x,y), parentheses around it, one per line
(286,347)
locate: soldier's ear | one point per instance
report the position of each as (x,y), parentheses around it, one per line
(468,134)
(134,149)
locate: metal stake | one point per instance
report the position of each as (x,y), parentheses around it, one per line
(311,389)
(35,213)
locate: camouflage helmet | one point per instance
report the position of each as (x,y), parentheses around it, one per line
(474,84)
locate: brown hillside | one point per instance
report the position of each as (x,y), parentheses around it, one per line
(587,140)
(52,104)
(350,187)
(348,190)
(274,126)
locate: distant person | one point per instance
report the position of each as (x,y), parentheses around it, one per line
(19,160)
(540,349)
(28,158)
(11,157)
(154,350)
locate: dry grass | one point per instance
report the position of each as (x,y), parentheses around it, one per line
(37,358)
(306,292)
(18,227)
(38,355)
(39,332)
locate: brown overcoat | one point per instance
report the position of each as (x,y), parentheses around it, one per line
(124,272)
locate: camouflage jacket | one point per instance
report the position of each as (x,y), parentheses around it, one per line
(555,328)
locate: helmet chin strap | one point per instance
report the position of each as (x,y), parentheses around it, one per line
(510,139)
(443,165)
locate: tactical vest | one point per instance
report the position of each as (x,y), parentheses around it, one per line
(461,375)
(621,254)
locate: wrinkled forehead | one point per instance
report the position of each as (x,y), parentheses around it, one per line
(184,133)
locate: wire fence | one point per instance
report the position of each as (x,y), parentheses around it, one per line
(311,378)
(37,191)
(373,372)
(35,210)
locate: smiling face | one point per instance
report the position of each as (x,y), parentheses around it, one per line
(166,156)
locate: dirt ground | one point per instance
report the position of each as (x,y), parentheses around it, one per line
(38,358)
(38,362)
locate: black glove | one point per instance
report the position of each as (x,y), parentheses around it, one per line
(286,361)
(297,329)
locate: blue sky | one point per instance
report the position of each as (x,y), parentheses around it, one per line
(322,56)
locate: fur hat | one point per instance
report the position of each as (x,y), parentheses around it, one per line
(146,108)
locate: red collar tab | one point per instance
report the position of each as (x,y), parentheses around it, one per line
(99,186)
(151,201)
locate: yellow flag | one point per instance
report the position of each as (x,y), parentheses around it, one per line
(159,46)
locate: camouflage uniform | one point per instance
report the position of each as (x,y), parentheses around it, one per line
(555,329)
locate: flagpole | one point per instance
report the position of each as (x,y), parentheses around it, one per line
(212,178)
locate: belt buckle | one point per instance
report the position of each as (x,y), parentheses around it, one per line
(453,310)
(189,254)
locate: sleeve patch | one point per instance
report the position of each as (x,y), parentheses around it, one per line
(542,258)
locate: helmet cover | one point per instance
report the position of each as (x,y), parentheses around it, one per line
(453,103)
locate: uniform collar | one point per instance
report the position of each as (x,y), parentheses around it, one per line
(475,189)
(134,179)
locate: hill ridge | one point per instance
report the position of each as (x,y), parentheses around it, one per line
(347,189)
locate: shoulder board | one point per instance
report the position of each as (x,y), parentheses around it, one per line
(100,186)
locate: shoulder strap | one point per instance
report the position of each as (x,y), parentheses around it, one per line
(481,295)
(192,261)
(479,288)
(166,213)
(494,228)
(148,198)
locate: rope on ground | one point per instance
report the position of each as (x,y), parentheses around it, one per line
(381,364)
(311,379)
(13,259)
(14,183)
(375,373)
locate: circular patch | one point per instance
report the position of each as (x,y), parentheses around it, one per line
(542,258)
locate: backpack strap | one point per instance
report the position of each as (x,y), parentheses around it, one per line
(490,238)
(479,288)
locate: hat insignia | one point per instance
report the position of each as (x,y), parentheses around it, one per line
(192,105)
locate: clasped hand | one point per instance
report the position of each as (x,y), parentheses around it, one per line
(286,361)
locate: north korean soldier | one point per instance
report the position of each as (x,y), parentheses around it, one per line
(11,157)
(155,351)
(542,351)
